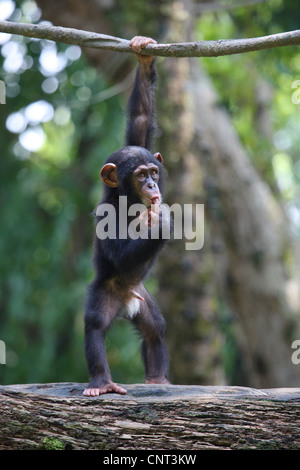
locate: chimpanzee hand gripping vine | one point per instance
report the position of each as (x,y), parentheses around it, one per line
(121,264)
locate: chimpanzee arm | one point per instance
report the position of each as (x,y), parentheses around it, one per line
(141,123)
(130,253)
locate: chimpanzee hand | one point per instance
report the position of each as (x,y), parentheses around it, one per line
(156,220)
(151,216)
(137,44)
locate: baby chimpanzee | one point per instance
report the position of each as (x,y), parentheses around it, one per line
(121,263)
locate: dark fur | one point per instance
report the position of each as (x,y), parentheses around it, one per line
(121,265)
(140,122)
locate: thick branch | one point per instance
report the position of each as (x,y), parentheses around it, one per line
(189,49)
(156,417)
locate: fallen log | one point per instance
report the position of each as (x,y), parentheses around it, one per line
(149,417)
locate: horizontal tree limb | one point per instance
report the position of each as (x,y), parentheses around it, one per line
(217,48)
(156,417)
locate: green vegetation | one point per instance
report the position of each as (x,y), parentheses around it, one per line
(52,443)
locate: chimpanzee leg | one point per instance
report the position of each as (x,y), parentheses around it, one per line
(101,308)
(151,324)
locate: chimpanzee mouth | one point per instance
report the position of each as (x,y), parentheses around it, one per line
(155,200)
(152,201)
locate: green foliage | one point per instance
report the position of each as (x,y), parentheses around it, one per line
(261,81)
(126,16)
(52,443)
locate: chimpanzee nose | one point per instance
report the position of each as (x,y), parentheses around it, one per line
(150,185)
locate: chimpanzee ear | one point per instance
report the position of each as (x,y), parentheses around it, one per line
(109,175)
(158,157)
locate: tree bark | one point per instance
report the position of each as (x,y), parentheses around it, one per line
(155,417)
(217,48)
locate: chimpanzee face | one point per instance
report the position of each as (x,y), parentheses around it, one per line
(146,178)
(136,173)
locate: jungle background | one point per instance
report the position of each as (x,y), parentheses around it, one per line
(228,130)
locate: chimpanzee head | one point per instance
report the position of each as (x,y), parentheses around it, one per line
(136,173)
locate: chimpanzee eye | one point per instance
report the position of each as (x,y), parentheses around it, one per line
(142,175)
(154,173)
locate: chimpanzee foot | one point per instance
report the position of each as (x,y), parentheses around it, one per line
(157,380)
(110,387)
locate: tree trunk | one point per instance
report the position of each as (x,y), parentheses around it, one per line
(156,417)
(187,294)
(251,230)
